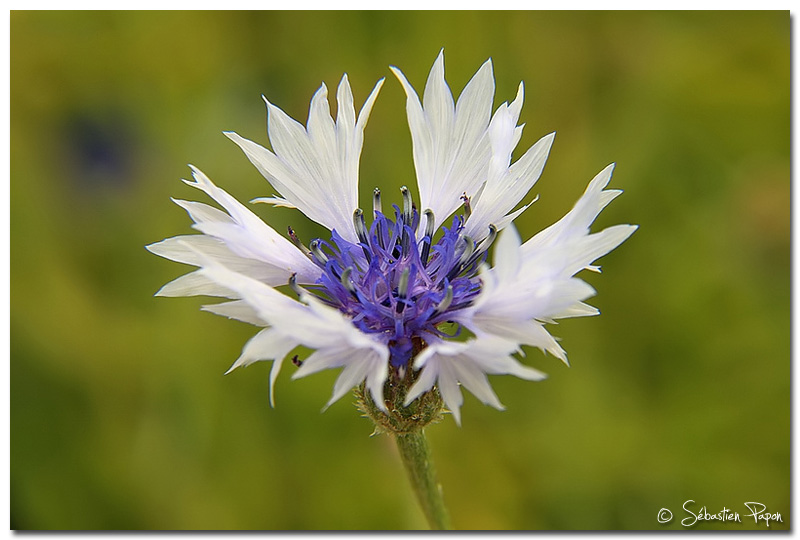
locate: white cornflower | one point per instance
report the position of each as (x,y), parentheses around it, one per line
(374,298)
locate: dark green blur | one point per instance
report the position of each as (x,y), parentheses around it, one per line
(120,415)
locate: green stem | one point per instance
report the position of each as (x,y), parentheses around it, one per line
(419,465)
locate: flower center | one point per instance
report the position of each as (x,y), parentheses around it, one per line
(395,284)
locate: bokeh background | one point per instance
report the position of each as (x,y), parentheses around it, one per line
(120,415)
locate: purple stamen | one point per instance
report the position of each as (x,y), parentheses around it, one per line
(403,287)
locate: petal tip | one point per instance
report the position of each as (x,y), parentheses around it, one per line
(322,91)
(398,73)
(233,136)
(161,292)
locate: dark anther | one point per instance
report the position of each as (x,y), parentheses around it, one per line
(397,250)
(298,290)
(377,208)
(469,249)
(362,233)
(446,301)
(318,253)
(483,247)
(467,207)
(402,290)
(298,244)
(486,242)
(408,216)
(405,243)
(408,204)
(426,245)
(347,283)
(293,236)
(296,361)
(376,202)
(360,226)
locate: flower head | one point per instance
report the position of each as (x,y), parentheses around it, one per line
(384,295)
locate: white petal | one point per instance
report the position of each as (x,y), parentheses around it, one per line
(353,373)
(376,377)
(493,356)
(506,186)
(451,154)
(316,170)
(573,254)
(243,241)
(437,99)
(313,325)
(268,344)
(273,376)
(185,249)
(501,137)
(177,248)
(200,212)
(524,332)
(451,394)
(345,97)
(474,380)
(321,127)
(450,363)
(524,173)
(507,255)
(326,358)
(371,367)
(194,284)
(577,221)
(497,365)
(558,260)
(279,174)
(274,201)
(503,222)
(420,133)
(271,306)
(561,295)
(538,297)
(425,381)
(532,283)
(578,310)
(516,108)
(236,309)
(345,112)
(328,327)
(359,364)
(474,107)
(596,245)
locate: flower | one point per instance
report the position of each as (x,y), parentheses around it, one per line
(377,298)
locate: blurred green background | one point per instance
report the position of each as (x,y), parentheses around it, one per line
(120,415)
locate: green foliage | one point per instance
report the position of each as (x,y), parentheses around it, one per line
(120,416)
